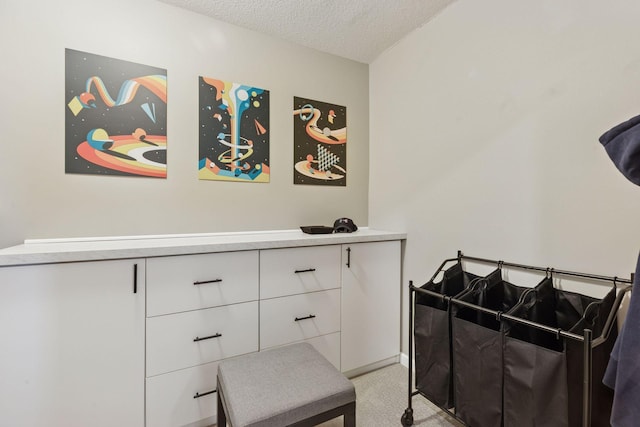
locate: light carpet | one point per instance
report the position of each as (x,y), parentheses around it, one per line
(381,399)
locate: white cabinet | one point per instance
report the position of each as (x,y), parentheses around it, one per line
(72,344)
(370,329)
(135,340)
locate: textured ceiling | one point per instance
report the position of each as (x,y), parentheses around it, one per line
(354,29)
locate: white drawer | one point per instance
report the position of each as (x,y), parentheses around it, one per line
(317,313)
(293,271)
(180,398)
(182,340)
(190,282)
(328,346)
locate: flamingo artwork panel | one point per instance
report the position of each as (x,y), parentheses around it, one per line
(320,143)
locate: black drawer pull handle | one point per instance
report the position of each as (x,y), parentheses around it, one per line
(311,316)
(197,395)
(196,339)
(207,281)
(135,278)
(305,271)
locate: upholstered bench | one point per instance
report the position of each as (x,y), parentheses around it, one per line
(285,386)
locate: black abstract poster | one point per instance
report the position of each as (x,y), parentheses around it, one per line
(320,143)
(115,116)
(234,132)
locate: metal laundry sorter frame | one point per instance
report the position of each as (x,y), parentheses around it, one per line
(587,339)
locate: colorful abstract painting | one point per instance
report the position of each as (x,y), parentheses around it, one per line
(116,116)
(234,132)
(320,143)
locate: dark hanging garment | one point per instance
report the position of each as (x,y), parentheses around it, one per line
(623,372)
(622,144)
(543,374)
(477,350)
(432,336)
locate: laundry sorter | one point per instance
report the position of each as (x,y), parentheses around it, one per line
(493,353)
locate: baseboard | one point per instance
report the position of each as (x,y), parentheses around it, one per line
(404,360)
(372,367)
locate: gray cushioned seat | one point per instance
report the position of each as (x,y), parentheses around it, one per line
(281,386)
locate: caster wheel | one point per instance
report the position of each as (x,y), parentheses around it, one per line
(407,418)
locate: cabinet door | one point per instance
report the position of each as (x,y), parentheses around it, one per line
(370,303)
(72,344)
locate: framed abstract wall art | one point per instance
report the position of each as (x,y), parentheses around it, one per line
(115,116)
(234,132)
(320,143)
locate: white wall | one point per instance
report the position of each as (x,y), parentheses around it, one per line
(37,198)
(484,136)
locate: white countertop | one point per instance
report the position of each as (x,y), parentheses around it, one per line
(92,249)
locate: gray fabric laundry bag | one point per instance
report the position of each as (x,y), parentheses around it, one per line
(543,374)
(477,351)
(432,335)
